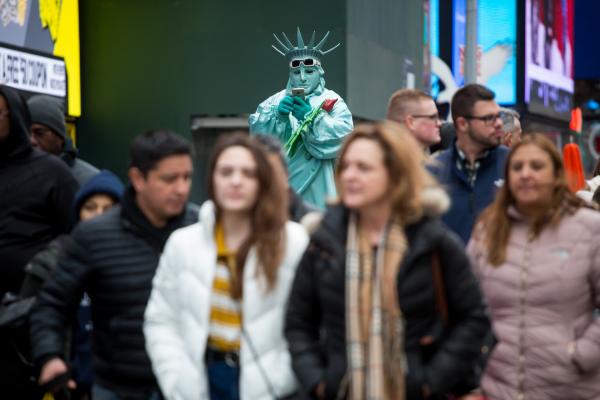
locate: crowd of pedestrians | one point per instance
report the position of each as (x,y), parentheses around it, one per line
(445,267)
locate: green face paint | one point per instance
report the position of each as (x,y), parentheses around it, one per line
(307,78)
(304,59)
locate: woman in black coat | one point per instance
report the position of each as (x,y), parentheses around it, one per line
(384,305)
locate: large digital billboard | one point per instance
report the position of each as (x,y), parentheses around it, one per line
(549,57)
(496,47)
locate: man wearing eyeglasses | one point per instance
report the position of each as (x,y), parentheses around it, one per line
(310,120)
(417,111)
(473,167)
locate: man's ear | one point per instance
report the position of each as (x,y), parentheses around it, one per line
(137,178)
(460,123)
(409,122)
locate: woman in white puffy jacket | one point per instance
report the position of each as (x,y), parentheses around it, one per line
(214,321)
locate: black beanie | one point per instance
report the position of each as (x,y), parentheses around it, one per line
(48,111)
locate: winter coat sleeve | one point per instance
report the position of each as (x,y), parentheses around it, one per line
(40,267)
(267,120)
(587,349)
(166,348)
(469,322)
(302,323)
(326,133)
(58,300)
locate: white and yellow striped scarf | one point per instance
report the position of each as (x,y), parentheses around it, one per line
(225,312)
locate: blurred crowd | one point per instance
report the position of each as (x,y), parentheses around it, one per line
(399,259)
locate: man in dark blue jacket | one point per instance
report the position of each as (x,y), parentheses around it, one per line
(472,168)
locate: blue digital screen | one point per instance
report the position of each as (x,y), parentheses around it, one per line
(434,40)
(434,27)
(497,47)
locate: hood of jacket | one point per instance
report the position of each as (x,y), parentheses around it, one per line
(17,144)
(207,217)
(334,224)
(104,182)
(435,201)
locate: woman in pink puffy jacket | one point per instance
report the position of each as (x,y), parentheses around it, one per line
(536,253)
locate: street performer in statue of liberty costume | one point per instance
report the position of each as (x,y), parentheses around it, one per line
(310,120)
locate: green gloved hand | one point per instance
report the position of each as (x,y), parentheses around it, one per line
(286,105)
(301,108)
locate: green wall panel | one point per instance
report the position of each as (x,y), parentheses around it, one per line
(156,63)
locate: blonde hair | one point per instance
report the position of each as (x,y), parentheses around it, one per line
(399,105)
(404,161)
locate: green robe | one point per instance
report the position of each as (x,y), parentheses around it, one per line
(311,166)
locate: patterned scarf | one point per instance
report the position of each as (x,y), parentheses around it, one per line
(375,326)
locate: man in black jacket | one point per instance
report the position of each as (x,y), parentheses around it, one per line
(114,257)
(36,193)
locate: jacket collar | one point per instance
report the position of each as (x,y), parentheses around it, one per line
(135,220)
(488,155)
(513,213)
(422,236)
(208,218)
(333,230)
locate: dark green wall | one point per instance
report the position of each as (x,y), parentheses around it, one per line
(155,63)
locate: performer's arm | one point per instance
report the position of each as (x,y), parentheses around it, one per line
(268,120)
(326,133)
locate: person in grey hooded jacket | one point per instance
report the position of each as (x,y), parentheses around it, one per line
(48,132)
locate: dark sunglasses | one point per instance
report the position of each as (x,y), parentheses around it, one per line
(307,62)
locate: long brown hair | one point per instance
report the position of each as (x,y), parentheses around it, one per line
(404,161)
(494,224)
(268,217)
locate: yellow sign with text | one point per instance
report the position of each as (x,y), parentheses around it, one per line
(61,18)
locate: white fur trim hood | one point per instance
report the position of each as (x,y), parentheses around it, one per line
(435,201)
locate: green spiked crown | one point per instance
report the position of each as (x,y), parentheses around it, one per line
(302,51)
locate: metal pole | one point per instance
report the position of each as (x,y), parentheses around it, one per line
(470,60)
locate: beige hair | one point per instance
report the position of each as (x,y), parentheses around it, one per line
(399,105)
(404,161)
